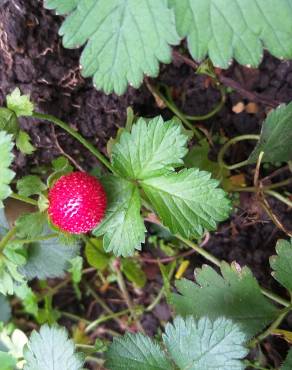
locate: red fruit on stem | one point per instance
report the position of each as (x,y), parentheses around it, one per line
(77,203)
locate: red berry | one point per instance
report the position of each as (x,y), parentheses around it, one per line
(77,203)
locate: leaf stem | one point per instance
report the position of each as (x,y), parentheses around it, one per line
(24,199)
(265,188)
(5,240)
(226,146)
(77,136)
(279,197)
(92,325)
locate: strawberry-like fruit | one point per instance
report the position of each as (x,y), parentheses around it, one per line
(77,203)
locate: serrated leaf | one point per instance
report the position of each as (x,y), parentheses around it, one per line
(19,104)
(51,349)
(28,298)
(5,310)
(23,143)
(133,271)
(136,351)
(188,202)
(126,39)
(48,259)
(30,185)
(205,344)
(123,228)
(230,296)
(151,149)
(287,365)
(61,7)
(95,254)
(276,136)
(9,276)
(282,263)
(31,225)
(239,29)
(8,121)
(6,175)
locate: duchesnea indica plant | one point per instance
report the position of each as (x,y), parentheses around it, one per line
(153,174)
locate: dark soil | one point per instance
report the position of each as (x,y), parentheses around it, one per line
(33,59)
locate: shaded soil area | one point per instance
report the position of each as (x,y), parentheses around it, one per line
(33,59)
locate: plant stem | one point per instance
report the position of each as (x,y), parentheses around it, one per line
(92,325)
(42,238)
(264,187)
(4,241)
(227,145)
(77,136)
(71,316)
(24,199)
(279,197)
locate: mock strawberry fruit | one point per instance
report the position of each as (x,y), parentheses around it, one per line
(77,203)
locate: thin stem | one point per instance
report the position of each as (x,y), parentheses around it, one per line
(42,238)
(77,136)
(92,325)
(264,187)
(5,240)
(279,197)
(74,317)
(226,146)
(24,199)
(100,301)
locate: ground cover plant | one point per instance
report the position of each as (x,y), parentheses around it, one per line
(99,239)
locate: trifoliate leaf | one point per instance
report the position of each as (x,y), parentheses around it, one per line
(5,310)
(6,175)
(276,136)
(282,263)
(30,185)
(8,121)
(96,255)
(123,227)
(240,29)
(31,225)
(188,202)
(136,351)
(151,149)
(7,361)
(23,143)
(19,104)
(205,344)
(230,296)
(133,271)
(126,39)
(62,7)
(287,365)
(50,349)
(48,259)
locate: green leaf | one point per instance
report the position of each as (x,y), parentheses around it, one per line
(188,202)
(133,271)
(61,166)
(28,298)
(205,344)
(136,351)
(19,104)
(15,252)
(76,269)
(151,149)
(51,349)
(287,365)
(9,276)
(282,263)
(7,361)
(230,296)
(5,310)
(23,143)
(48,259)
(62,7)
(96,255)
(239,29)
(116,56)
(6,175)
(123,227)
(30,185)
(4,226)
(31,225)
(276,136)
(8,121)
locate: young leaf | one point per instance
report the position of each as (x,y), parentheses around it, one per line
(230,296)
(23,143)
(96,255)
(76,269)
(48,259)
(31,225)
(133,271)
(282,263)
(116,56)
(6,175)
(5,310)
(205,344)
(8,121)
(151,149)
(28,298)
(240,29)
(188,202)
(276,136)
(123,227)
(19,104)
(287,365)
(30,185)
(51,349)
(136,351)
